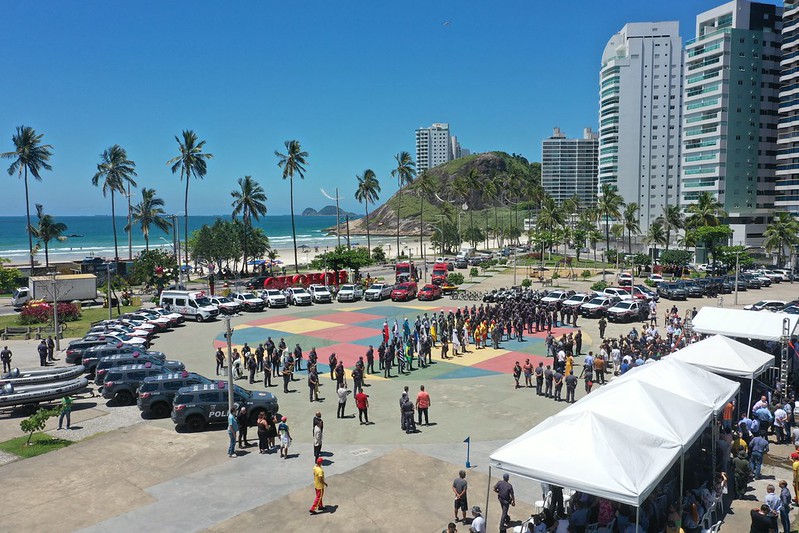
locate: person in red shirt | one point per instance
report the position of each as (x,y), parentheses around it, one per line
(362,403)
(422,405)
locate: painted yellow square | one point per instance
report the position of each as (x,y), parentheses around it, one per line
(301,325)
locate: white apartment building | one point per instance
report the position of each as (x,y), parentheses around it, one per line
(639,116)
(433,146)
(786,188)
(569,167)
(730,112)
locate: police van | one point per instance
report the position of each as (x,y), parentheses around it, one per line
(189,304)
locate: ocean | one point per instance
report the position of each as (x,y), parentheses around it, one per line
(93,235)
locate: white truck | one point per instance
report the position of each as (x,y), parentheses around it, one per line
(67,288)
(191,304)
(466,254)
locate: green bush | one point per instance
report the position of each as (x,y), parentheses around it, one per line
(555,275)
(599,286)
(526,282)
(586,274)
(37,421)
(503,261)
(473,272)
(649,283)
(455,278)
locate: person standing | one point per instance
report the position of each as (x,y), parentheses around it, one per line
(578,338)
(558,380)
(241,418)
(422,405)
(517,373)
(528,373)
(743,470)
(762,520)
(342,393)
(263,431)
(232,429)
(42,349)
(758,447)
(506,499)
(5,356)
(478,524)
(318,429)
(66,410)
(313,383)
(603,324)
(370,360)
(357,379)
(548,378)
(571,387)
(785,506)
(286,375)
(319,485)
(285,438)
(50,349)
(362,403)
(539,379)
(459,487)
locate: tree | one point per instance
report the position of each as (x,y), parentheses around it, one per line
(30,157)
(688,239)
(705,212)
(712,236)
(9,277)
(115,170)
(249,202)
(341,258)
(550,217)
(37,422)
(594,238)
(404,172)
(446,236)
(149,212)
(378,255)
(190,162)
(609,206)
(293,162)
(727,256)
(676,258)
(631,223)
(473,235)
(46,230)
(146,267)
(656,235)
(368,191)
(217,244)
(672,221)
(782,232)
(425,186)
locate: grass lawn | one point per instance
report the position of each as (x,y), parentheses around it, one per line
(40,443)
(73,329)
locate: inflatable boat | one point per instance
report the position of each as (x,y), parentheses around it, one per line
(41,375)
(11,394)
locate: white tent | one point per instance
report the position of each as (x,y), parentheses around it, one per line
(616,461)
(721,355)
(760,325)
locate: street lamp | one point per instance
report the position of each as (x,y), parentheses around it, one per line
(737,269)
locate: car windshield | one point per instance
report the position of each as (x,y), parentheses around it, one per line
(249,296)
(347,288)
(376,287)
(273,292)
(623,305)
(202,302)
(761,303)
(223,300)
(597,301)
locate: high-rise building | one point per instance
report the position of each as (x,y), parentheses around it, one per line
(569,167)
(433,146)
(639,116)
(786,188)
(731,95)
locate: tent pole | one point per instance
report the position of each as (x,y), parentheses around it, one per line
(637,517)
(488,493)
(751,392)
(682,480)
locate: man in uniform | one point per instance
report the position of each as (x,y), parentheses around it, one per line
(50,349)
(506,499)
(603,323)
(571,387)
(370,360)
(5,356)
(742,473)
(539,379)
(42,349)
(548,377)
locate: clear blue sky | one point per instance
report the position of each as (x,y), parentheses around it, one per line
(350,80)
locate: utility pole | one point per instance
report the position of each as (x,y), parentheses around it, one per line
(55,312)
(176,246)
(229,337)
(348,229)
(130,229)
(108,288)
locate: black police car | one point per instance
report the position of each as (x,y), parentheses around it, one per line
(122,382)
(200,405)
(157,392)
(113,361)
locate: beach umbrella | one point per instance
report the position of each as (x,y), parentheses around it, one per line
(256,262)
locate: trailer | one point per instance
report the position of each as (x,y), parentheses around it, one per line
(67,288)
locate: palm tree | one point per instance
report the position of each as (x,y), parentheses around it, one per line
(405,172)
(425,185)
(631,223)
(46,230)
(115,170)
(368,191)
(656,234)
(190,162)
(781,232)
(149,212)
(30,157)
(248,202)
(705,212)
(292,162)
(688,239)
(550,217)
(609,206)
(672,219)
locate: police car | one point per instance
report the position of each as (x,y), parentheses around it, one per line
(197,406)
(157,392)
(123,381)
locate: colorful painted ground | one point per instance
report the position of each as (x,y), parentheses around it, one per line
(350,330)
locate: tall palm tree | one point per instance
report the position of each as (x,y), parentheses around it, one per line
(705,212)
(656,234)
(115,170)
(190,162)
(47,230)
(491,195)
(688,239)
(781,232)
(609,206)
(292,162)
(550,217)
(30,157)
(249,202)
(149,212)
(404,172)
(425,186)
(368,191)
(631,223)
(672,220)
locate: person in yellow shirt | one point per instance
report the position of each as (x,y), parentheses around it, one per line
(319,485)
(738,443)
(795,466)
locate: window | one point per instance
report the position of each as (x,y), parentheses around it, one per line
(209,397)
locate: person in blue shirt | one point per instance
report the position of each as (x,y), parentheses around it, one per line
(232,429)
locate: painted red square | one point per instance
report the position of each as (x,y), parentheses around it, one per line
(347,317)
(345,333)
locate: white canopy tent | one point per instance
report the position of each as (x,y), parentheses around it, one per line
(745,324)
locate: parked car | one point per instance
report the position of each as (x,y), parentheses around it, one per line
(226,305)
(156,393)
(92,356)
(598,306)
(274,298)
(378,291)
(299,296)
(403,292)
(257,283)
(624,279)
(248,300)
(462,263)
(691,288)
(122,382)
(105,364)
(628,311)
(620,292)
(575,301)
(429,292)
(655,278)
(350,293)
(196,406)
(768,305)
(672,291)
(557,296)
(320,294)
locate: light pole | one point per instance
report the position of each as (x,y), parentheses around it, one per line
(737,269)
(229,337)
(55,312)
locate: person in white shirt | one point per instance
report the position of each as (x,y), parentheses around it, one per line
(478,524)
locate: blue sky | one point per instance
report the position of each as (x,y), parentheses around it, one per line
(350,80)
